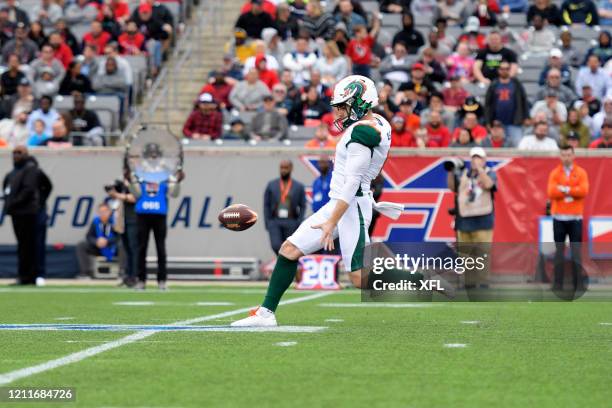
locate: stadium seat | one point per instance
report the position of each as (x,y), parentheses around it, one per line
(371,7)
(531,88)
(392,20)
(517,20)
(529,74)
(301,133)
(477,90)
(584,32)
(533,61)
(79,30)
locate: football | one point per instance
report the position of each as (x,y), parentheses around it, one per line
(237,217)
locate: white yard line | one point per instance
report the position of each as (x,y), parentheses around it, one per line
(11,376)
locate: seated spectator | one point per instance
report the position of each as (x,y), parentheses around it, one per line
(269,124)
(434,72)
(59,136)
(571,55)
(272,43)
(485,14)
(401,136)
(86,122)
(16,13)
(68,37)
(267,7)
(247,95)
(62,52)
(448,41)
(593,75)
(240,48)
(21,45)
(75,80)
(453,11)
(592,102)
(419,81)
(231,69)
(538,39)
(121,10)
(489,59)
(46,84)
(46,113)
(157,32)
(219,88)
(341,37)
(603,49)
(322,139)
(409,35)
(89,61)
(604,115)
(111,50)
(97,37)
(475,40)
(47,60)
(579,12)
(22,101)
(324,91)
(347,15)
(436,103)
(386,107)
(309,110)
(438,134)
(110,23)
(497,136)
(406,110)
(583,115)
(300,61)
(112,80)
(556,112)
(260,49)
(266,75)
(101,240)
(553,82)
(237,131)
(11,77)
(282,101)
(425,8)
(547,10)
(38,136)
(37,34)
(506,101)
(46,13)
(331,64)
(80,12)
(14,130)
(461,63)
(605,141)
(455,94)
(510,38)
(464,138)
(205,121)
(439,50)
(286,22)
(471,105)
(298,7)
(396,66)
(575,126)
(132,41)
(293,91)
(254,20)
(318,23)
(470,123)
(539,140)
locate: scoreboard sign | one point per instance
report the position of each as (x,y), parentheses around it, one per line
(319,272)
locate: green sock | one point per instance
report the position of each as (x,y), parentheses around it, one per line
(282,276)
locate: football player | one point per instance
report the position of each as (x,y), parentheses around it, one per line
(359,158)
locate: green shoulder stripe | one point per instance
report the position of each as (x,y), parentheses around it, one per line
(365,135)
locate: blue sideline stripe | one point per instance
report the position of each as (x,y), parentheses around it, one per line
(126,327)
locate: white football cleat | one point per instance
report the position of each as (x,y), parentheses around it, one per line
(260,317)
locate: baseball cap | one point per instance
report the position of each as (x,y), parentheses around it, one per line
(145,8)
(418,65)
(206,98)
(478,151)
(472,24)
(398,119)
(471,104)
(497,123)
(236,122)
(555,52)
(573,135)
(24,82)
(268,98)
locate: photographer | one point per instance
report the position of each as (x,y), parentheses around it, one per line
(474,212)
(126,225)
(101,240)
(151,212)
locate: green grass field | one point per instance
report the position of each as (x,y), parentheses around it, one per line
(548,354)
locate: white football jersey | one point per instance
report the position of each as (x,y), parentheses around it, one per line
(380,150)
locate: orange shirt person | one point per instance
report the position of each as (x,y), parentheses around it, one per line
(568,186)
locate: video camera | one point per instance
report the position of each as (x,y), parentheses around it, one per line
(117,186)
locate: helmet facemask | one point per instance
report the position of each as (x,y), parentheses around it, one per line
(356,109)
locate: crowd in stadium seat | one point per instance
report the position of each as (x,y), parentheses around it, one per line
(496,73)
(57,56)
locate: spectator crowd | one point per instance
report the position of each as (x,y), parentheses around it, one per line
(451,73)
(76,49)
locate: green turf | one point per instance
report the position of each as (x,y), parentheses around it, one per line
(518,355)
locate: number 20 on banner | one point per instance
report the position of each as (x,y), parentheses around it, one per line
(319,272)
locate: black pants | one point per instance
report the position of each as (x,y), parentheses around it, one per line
(280,229)
(573,229)
(129,239)
(25,232)
(157,223)
(41,243)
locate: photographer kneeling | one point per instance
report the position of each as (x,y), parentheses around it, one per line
(101,240)
(474,212)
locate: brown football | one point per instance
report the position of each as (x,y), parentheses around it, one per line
(237,217)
